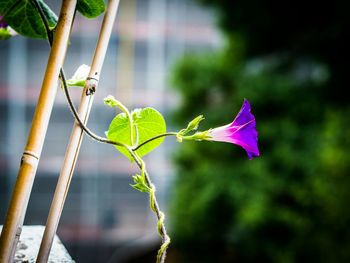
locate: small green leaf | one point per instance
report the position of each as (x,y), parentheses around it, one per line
(140,183)
(24,18)
(91,8)
(149,123)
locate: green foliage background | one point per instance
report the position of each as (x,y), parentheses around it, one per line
(291,204)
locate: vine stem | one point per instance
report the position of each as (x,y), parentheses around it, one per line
(82,124)
(24,182)
(160,216)
(72,108)
(76,137)
(155,207)
(154,138)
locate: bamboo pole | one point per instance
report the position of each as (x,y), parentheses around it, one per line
(77,134)
(30,158)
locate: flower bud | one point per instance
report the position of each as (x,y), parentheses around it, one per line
(79,76)
(193,125)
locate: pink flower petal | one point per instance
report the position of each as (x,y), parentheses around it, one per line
(242,131)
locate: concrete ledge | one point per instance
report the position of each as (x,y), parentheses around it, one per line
(28,247)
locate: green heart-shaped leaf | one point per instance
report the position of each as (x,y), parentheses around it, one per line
(24,18)
(149,123)
(91,8)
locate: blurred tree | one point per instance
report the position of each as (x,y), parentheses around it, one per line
(289,205)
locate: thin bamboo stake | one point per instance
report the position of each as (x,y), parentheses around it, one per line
(77,133)
(29,162)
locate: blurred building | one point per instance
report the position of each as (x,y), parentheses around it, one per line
(104,218)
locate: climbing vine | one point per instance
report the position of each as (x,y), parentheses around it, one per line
(134,133)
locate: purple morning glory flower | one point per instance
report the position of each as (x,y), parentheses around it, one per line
(3,24)
(242,131)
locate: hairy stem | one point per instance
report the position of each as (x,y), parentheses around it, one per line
(155,208)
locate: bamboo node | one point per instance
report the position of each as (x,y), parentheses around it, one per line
(33,154)
(28,156)
(91,84)
(19,231)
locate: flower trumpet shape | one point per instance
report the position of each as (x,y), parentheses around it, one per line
(242,131)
